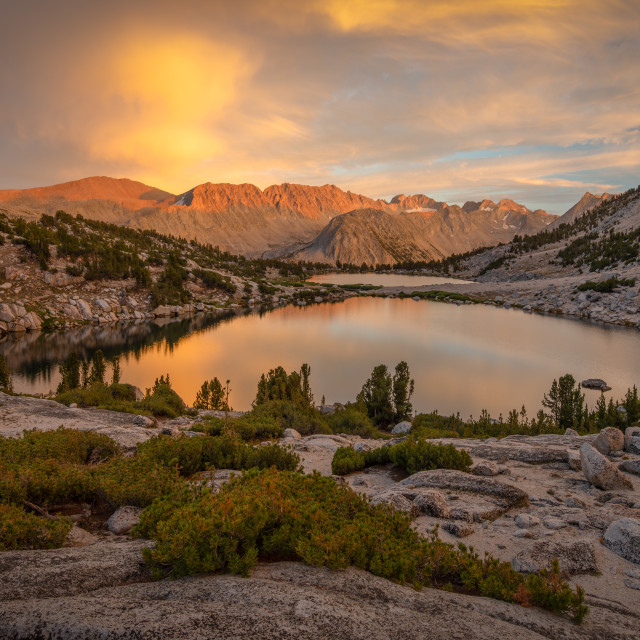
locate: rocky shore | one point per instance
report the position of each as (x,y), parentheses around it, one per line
(527,500)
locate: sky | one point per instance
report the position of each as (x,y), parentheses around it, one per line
(534,100)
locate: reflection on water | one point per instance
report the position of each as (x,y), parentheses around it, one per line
(384,279)
(465,358)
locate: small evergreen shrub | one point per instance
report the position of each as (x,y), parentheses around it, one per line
(346,460)
(412,455)
(192,454)
(279,515)
(20,530)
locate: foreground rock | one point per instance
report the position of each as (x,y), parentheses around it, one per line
(623,538)
(600,472)
(123,520)
(608,440)
(574,558)
(289,600)
(66,572)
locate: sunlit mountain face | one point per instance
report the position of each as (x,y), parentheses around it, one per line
(532,101)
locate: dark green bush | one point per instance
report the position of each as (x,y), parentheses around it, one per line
(65,445)
(351,420)
(346,460)
(258,424)
(275,515)
(20,530)
(193,454)
(415,455)
(412,455)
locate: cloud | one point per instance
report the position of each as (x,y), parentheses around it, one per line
(382,96)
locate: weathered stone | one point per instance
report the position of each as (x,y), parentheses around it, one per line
(574,557)
(600,472)
(526,520)
(623,538)
(401,428)
(397,501)
(631,466)
(532,455)
(54,573)
(432,503)
(123,520)
(79,537)
(608,440)
(460,529)
(574,460)
(145,421)
(571,432)
(554,523)
(507,495)
(632,444)
(103,305)
(292,433)
(162,311)
(485,469)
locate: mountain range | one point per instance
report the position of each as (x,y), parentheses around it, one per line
(319,223)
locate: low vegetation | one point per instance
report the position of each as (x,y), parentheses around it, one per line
(274,515)
(412,455)
(606,286)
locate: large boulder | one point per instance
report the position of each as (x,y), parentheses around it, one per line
(504,494)
(485,468)
(397,501)
(432,503)
(623,538)
(600,472)
(574,557)
(401,428)
(631,466)
(53,573)
(123,520)
(608,440)
(632,444)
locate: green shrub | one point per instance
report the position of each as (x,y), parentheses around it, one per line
(134,481)
(412,455)
(193,454)
(162,400)
(346,460)
(258,424)
(274,515)
(415,455)
(66,445)
(351,420)
(20,530)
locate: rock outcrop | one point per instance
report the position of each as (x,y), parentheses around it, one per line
(600,472)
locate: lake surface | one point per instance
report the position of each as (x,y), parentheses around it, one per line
(383,279)
(463,358)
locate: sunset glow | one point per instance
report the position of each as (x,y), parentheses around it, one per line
(534,100)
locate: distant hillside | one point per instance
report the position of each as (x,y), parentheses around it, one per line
(282,219)
(430,233)
(600,233)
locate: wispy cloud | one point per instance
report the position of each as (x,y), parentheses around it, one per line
(382,96)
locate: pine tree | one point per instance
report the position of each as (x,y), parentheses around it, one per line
(98,368)
(6,383)
(115,376)
(376,395)
(403,386)
(69,373)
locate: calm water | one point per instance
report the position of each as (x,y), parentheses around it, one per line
(383,279)
(463,358)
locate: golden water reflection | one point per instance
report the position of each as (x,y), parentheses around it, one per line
(463,358)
